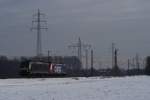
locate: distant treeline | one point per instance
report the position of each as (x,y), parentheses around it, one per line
(9,68)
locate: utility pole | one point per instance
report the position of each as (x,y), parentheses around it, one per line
(115,60)
(38,20)
(114,55)
(113,51)
(92,63)
(133,63)
(144,63)
(86,55)
(128,65)
(128,70)
(137,62)
(80,49)
(115,68)
(48,56)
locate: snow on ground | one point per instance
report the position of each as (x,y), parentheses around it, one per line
(95,88)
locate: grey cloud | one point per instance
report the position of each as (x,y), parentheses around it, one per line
(97,22)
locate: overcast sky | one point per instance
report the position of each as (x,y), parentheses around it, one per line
(97,22)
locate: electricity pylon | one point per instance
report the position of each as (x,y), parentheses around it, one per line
(38,24)
(81,46)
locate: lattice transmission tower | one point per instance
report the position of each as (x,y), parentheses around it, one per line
(39,23)
(81,46)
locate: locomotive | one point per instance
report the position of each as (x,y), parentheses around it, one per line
(29,67)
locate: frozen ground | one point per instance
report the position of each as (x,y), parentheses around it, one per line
(96,88)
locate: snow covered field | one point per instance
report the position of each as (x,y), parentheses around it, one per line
(96,88)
